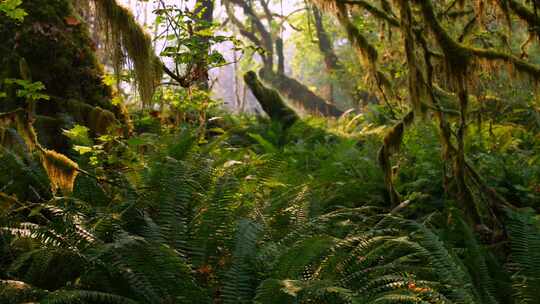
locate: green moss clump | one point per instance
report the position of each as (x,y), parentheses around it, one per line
(270,101)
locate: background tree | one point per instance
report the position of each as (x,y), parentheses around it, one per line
(267,38)
(430,196)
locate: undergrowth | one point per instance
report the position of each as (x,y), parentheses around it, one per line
(243,212)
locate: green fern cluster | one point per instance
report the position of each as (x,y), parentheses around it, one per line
(234,221)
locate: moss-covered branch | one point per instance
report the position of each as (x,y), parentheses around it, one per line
(367,53)
(391,144)
(521,65)
(262,37)
(357,39)
(123,30)
(270,101)
(532,19)
(375,11)
(300,95)
(61,170)
(460,56)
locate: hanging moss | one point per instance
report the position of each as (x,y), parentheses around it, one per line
(381,14)
(367,53)
(359,41)
(417,89)
(19,120)
(73,74)
(457,56)
(520,65)
(26,131)
(326,5)
(122,30)
(460,57)
(61,170)
(391,144)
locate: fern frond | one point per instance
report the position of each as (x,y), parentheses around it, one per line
(84,296)
(238,286)
(524,230)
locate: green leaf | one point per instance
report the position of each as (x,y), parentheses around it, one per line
(79,135)
(27,89)
(82,149)
(117,100)
(12,10)
(267,146)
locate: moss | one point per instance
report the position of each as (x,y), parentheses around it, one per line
(62,57)
(26,131)
(123,30)
(18,120)
(270,101)
(522,12)
(299,94)
(521,65)
(359,41)
(391,144)
(378,13)
(101,120)
(61,170)
(457,56)
(98,120)
(417,89)
(367,52)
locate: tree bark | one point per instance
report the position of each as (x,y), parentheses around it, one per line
(60,53)
(297,93)
(204,8)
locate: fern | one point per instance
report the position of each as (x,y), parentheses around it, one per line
(524,230)
(239,280)
(84,296)
(478,267)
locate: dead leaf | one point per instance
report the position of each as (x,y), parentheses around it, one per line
(72,21)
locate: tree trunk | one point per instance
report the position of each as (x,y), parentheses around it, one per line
(206,10)
(297,93)
(58,51)
(334,68)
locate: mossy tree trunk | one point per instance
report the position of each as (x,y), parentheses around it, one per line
(58,51)
(205,10)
